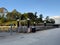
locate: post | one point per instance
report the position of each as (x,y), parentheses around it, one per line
(44,23)
(18,25)
(28,25)
(34,24)
(34,28)
(11,30)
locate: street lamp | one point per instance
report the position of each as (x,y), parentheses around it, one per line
(11,29)
(28,24)
(18,24)
(34,28)
(34,24)
(45,23)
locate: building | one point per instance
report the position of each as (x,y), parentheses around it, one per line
(3,11)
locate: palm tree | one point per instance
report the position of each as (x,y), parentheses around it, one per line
(41,18)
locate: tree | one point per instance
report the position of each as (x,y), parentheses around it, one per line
(41,18)
(31,16)
(52,21)
(47,19)
(26,15)
(13,15)
(9,16)
(16,14)
(35,15)
(3,20)
(23,17)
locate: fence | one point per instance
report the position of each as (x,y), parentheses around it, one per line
(24,28)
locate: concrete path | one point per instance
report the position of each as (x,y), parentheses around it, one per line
(46,37)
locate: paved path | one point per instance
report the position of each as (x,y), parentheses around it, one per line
(46,37)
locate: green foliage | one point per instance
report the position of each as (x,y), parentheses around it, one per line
(31,16)
(47,17)
(13,15)
(52,21)
(23,17)
(41,18)
(35,15)
(3,20)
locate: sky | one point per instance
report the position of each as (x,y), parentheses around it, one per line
(45,7)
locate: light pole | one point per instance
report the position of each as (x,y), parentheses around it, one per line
(45,23)
(34,24)
(34,28)
(18,24)
(28,24)
(11,29)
